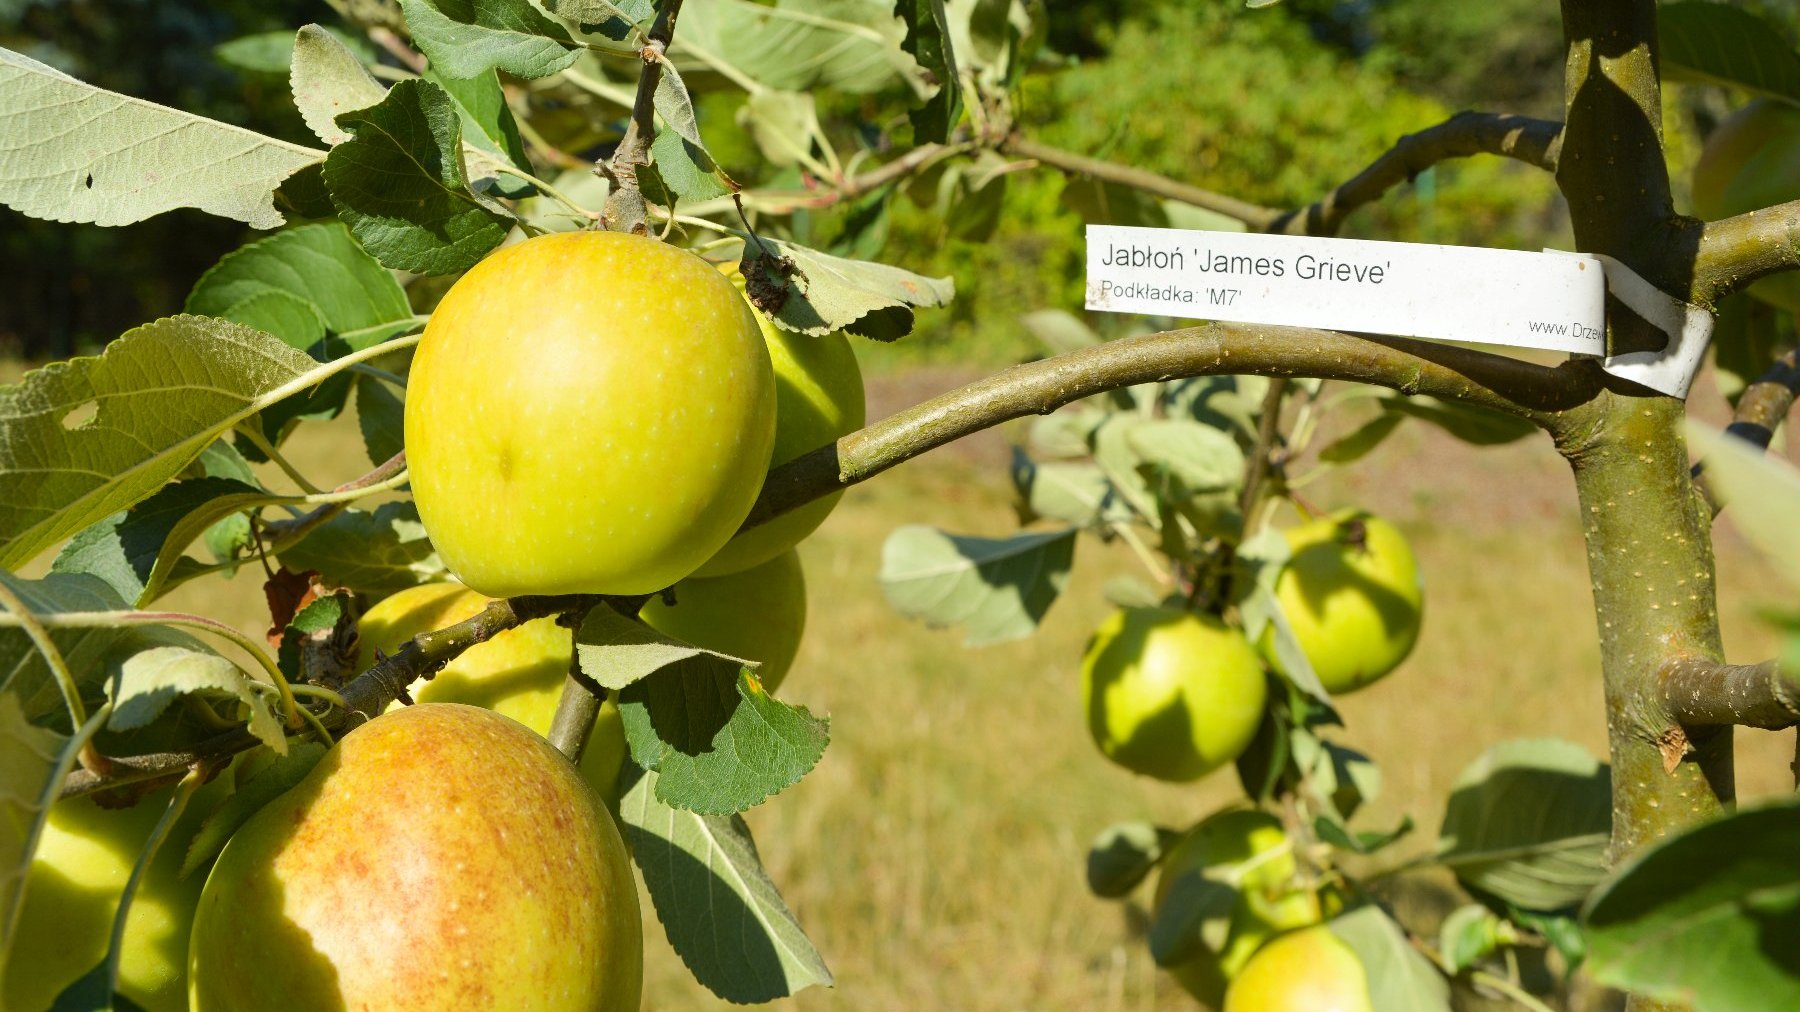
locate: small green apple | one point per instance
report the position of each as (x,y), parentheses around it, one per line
(1351,592)
(1752,161)
(1309,970)
(588,412)
(818,397)
(519,673)
(758,614)
(1171,694)
(1268,903)
(440,856)
(72,892)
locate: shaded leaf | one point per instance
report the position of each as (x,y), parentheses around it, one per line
(816,293)
(1074,493)
(1722,44)
(269,783)
(1400,979)
(928,42)
(1529,822)
(78,153)
(1470,424)
(1059,331)
(1470,934)
(1761,494)
(798,45)
(150,680)
(1357,444)
(1123,855)
(616,651)
(1197,906)
(998,589)
(681,171)
(1709,917)
(401,185)
(381,417)
(722,914)
(717,740)
(375,553)
(328,80)
(139,552)
(300,284)
(164,392)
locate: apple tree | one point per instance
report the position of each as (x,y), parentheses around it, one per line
(607,387)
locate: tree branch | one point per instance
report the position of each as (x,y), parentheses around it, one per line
(1532,141)
(1253,215)
(1766,402)
(1412,367)
(625,210)
(1737,251)
(1701,692)
(366,695)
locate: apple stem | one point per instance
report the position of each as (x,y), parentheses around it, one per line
(580,701)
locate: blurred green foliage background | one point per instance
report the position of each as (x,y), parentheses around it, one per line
(1273,106)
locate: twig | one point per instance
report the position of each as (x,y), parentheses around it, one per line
(1761,408)
(1532,141)
(1737,251)
(1253,215)
(1697,693)
(625,210)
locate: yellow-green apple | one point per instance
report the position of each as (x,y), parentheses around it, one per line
(1752,161)
(818,397)
(440,856)
(758,614)
(588,412)
(1169,693)
(1309,970)
(1351,592)
(72,891)
(519,673)
(1248,850)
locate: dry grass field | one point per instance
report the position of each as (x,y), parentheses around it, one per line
(935,856)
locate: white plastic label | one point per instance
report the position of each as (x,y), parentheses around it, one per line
(1550,301)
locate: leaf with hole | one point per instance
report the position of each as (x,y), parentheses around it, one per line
(74,152)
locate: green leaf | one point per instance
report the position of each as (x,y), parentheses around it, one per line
(1065,434)
(1529,822)
(997,588)
(1123,855)
(815,293)
(1357,444)
(616,651)
(722,914)
(928,42)
(681,171)
(374,553)
(1708,917)
(1202,458)
(1059,331)
(1337,834)
(380,414)
(1561,930)
(34,762)
(616,21)
(401,185)
(73,152)
(139,552)
(1722,44)
(273,52)
(1400,979)
(23,674)
(152,679)
(1747,337)
(798,45)
(1761,492)
(328,80)
(468,38)
(1260,560)
(303,283)
(1470,934)
(488,126)
(164,392)
(719,742)
(1477,426)
(1073,493)
(269,783)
